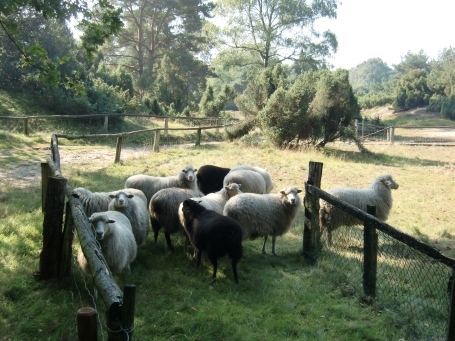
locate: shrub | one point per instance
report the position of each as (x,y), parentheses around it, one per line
(240,129)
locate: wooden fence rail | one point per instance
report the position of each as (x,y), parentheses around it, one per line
(56,255)
(312,234)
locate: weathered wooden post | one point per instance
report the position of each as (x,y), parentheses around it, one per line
(67,243)
(392,134)
(356,128)
(114,323)
(26,126)
(370,255)
(363,127)
(118,149)
(46,172)
(166,126)
(451,331)
(52,228)
(198,137)
(156,142)
(311,230)
(86,324)
(106,123)
(217,123)
(128,309)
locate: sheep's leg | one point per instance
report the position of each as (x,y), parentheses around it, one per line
(234,270)
(156,228)
(199,255)
(215,268)
(167,235)
(263,245)
(273,245)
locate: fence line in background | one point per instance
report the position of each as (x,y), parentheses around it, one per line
(397,271)
(56,255)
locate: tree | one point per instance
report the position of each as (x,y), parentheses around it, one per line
(370,75)
(211,106)
(261,85)
(97,26)
(317,108)
(277,29)
(412,90)
(154,28)
(412,61)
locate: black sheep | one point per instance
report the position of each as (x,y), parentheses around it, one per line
(210,178)
(212,233)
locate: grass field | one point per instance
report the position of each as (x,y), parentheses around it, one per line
(278,297)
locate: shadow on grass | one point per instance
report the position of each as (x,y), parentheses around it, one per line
(380,159)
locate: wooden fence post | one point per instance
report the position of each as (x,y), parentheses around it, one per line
(87,324)
(106,123)
(392,134)
(67,244)
(370,255)
(52,228)
(128,309)
(26,126)
(198,137)
(451,331)
(156,142)
(118,149)
(46,172)
(311,230)
(114,323)
(166,126)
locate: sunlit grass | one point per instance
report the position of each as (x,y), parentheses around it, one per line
(278,298)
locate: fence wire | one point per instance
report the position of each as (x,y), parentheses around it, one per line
(407,135)
(411,285)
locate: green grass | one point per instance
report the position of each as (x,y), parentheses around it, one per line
(278,298)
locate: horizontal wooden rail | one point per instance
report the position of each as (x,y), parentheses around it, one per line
(110,115)
(382,226)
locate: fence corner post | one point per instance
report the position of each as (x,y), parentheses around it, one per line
(392,134)
(166,126)
(311,230)
(26,126)
(106,123)
(50,256)
(370,255)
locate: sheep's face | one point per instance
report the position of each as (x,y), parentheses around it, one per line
(290,194)
(121,199)
(190,173)
(391,183)
(232,189)
(100,227)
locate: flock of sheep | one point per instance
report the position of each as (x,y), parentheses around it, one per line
(217,208)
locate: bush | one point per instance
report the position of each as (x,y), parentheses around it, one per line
(448,108)
(240,129)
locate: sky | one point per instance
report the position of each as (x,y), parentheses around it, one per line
(388,29)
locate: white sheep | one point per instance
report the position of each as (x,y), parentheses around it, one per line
(186,178)
(114,233)
(216,201)
(99,201)
(267,178)
(263,215)
(135,210)
(251,181)
(377,194)
(164,207)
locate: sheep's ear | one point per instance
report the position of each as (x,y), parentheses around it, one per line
(184,170)
(283,192)
(299,191)
(112,196)
(195,169)
(110,221)
(130,196)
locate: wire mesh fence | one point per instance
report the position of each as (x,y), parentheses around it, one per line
(411,285)
(407,135)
